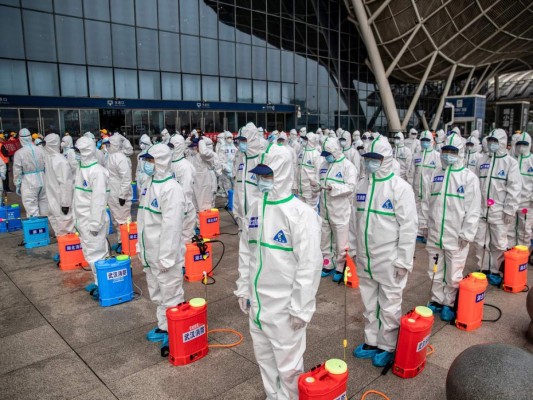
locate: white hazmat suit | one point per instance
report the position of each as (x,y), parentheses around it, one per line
(309,162)
(404,156)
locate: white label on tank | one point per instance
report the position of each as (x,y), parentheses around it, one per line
(422,345)
(194,334)
(341,397)
(522,267)
(117,275)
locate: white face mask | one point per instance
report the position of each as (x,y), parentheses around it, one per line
(396,142)
(493,147)
(229,140)
(521,150)
(142,146)
(372,166)
(449,159)
(265,185)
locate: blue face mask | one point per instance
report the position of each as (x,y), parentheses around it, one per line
(449,159)
(425,144)
(372,166)
(243,146)
(493,147)
(271,138)
(77,156)
(265,185)
(330,159)
(149,168)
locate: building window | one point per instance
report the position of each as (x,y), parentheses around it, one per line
(148,49)
(70,40)
(244,90)
(260,92)
(39,36)
(41,5)
(73,80)
(11,37)
(191,87)
(169,48)
(210,89)
(189,17)
(43,79)
(96,9)
(169,15)
(122,12)
(190,54)
(101,82)
(146,12)
(171,86)
(98,42)
(126,84)
(209,56)
(149,85)
(68,7)
(124,47)
(228,90)
(14,80)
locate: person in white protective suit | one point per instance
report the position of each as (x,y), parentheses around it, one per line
(120,194)
(161,247)
(412,141)
(386,235)
(28,175)
(101,157)
(356,137)
(520,232)
(330,133)
(59,189)
(89,207)
(216,171)
(226,152)
(125,145)
(338,180)
(279,274)
(165,136)
(140,177)
(515,137)
(245,189)
(501,184)
(283,141)
(404,156)
(451,208)
(184,173)
(294,140)
(440,137)
(264,142)
(484,146)
(473,153)
(67,148)
(307,174)
(204,161)
(424,163)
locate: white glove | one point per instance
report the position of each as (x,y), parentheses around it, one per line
(399,274)
(297,323)
(243,304)
(508,219)
(463,243)
(94,233)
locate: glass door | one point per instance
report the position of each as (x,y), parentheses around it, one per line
(30,119)
(9,120)
(70,122)
(90,122)
(140,123)
(49,122)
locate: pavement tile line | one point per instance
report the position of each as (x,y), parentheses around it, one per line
(62,338)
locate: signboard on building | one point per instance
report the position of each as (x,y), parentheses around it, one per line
(512,116)
(469,111)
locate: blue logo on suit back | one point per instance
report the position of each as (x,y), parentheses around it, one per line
(280,237)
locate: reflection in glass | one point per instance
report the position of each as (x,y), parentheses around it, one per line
(122,11)
(43,79)
(210,89)
(70,40)
(11,38)
(209,56)
(49,121)
(190,54)
(156,122)
(96,9)
(260,92)
(70,122)
(73,80)
(274,92)
(258,62)
(68,7)
(30,119)
(97,36)
(149,85)
(244,61)
(228,91)
(191,87)
(100,82)
(185,120)
(171,86)
(169,15)
(9,119)
(171,118)
(169,47)
(90,121)
(244,90)
(39,36)
(126,84)
(42,5)
(124,48)
(189,17)
(146,11)
(14,79)
(148,49)
(208,21)
(227,58)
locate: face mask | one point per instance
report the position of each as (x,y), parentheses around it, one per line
(271,138)
(396,141)
(470,149)
(521,150)
(77,156)
(372,166)
(149,168)
(449,159)
(493,147)
(25,140)
(142,146)
(425,145)
(265,185)
(243,146)
(361,151)
(330,159)
(229,140)
(342,142)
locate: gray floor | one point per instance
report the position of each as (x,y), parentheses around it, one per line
(57,343)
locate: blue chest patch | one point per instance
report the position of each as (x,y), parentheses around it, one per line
(460,189)
(323,170)
(530,169)
(501,173)
(484,166)
(253,177)
(361,197)
(85,184)
(280,237)
(387,205)
(438,178)
(254,222)
(154,203)
(309,162)
(418,160)
(241,167)
(339,175)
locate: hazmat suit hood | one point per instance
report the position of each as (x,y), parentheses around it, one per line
(428,135)
(303,130)
(293,134)
(229,135)
(179,146)
(145,139)
(456,141)
(356,134)
(383,147)
(332,145)
(87,149)
(162,156)
(502,141)
(456,130)
(475,133)
(66,142)
(402,138)
(115,144)
(475,142)
(526,137)
(251,133)
(346,135)
(53,144)
(440,136)
(89,134)
(208,142)
(413,132)
(220,137)
(25,137)
(312,141)
(283,136)
(279,159)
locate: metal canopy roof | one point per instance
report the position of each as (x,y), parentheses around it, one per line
(483,34)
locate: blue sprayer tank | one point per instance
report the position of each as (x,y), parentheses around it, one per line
(135,196)
(115,284)
(36,233)
(10,218)
(230,200)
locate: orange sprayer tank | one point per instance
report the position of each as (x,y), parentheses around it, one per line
(128,237)
(470,301)
(413,338)
(70,252)
(324,382)
(209,223)
(352,280)
(196,262)
(515,273)
(187,332)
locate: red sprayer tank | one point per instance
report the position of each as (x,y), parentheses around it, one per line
(515,272)
(324,382)
(128,237)
(187,331)
(70,252)
(197,260)
(413,338)
(209,223)
(470,301)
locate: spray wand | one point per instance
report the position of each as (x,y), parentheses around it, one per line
(490,203)
(435,265)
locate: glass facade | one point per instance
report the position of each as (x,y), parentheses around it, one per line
(300,53)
